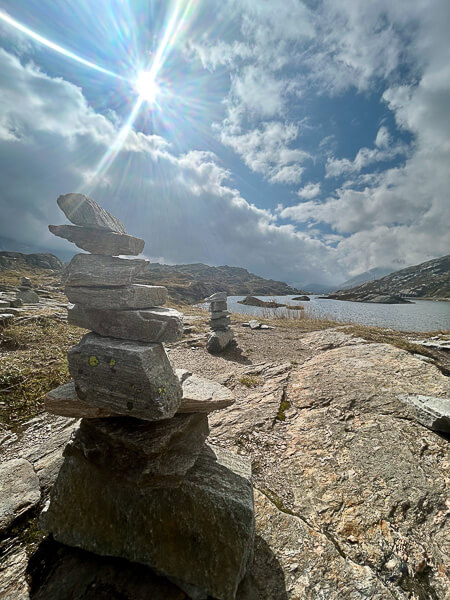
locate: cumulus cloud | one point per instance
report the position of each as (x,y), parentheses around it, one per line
(309,191)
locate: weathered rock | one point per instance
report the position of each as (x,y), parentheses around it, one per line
(142,325)
(16,302)
(117,298)
(294,561)
(26,281)
(99,241)
(64,401)
(129,378)
(5,304)
(222,323)
(147,454)
(27,296)
(209,518)
(202,395)
(218,306)
(219,340)
(217,297)
(90,270)
(432,412)
(254,324)
(19,490)
(83,211)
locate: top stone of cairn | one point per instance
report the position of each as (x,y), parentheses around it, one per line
(81,210)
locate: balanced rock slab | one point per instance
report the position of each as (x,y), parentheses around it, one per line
(146,453)
(217,297)
(120,297)
(128,378)
(64,401)
(202,395)
(199,396)
(217,306)
(222,323)
(199,534)
(90,270)
(219,340)
(219,314)
(143,325)
(99,241)
(81,210)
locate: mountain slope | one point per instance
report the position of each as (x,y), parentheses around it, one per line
(193,282)
(430,279)
(371,275)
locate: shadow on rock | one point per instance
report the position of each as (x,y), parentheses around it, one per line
(265,578)
(234,353)
(57,572)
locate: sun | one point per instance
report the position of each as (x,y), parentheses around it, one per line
(146,86)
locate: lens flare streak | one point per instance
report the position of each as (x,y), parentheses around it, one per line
(56,47)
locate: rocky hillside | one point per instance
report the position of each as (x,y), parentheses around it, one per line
(17,260)
(192,283)
(430,279)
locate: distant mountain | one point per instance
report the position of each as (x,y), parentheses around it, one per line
(10,245)
(371,275)
(319,288)
(194,282)
(430,279)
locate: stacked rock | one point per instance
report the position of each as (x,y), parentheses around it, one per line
(25,293)
(138,480)
(221,334)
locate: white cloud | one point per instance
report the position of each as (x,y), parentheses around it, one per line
(266,149)
(309,191)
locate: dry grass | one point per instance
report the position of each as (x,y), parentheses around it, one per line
(32,362)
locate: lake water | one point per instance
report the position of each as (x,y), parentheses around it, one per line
(423,315)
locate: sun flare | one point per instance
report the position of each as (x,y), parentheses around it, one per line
(146,86)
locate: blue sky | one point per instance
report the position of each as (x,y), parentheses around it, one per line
(306,141)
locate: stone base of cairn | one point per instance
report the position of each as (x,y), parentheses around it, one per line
(138,480)
(221,333)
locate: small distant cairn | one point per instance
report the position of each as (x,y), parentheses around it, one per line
(221,334)
(138,480)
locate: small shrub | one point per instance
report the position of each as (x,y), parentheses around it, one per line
(250,381)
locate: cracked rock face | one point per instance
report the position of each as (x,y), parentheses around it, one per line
(117,298)
(350,460)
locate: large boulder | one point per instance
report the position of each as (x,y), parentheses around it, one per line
(92,270)
(128,378)
(219,340)
(142,452)
(81,210)
(143,325)
(117,298)
(200,534)
(99,241)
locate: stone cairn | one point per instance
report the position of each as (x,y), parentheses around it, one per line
(138,480)
(221,332)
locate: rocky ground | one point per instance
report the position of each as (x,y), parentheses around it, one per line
(351,491)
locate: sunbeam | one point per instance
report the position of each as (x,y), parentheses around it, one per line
(114,149)
(56,47)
